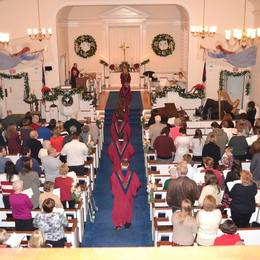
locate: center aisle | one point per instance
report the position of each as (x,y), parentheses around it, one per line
(102,233)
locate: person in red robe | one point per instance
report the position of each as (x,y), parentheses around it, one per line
(119,150)
(126,94)
(125,91)
(119,126)
(74,73)
(124,186)
(118,113)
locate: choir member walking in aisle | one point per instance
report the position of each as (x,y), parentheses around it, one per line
(124,186)
(120,126)
(119,150)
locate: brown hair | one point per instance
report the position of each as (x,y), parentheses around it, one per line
(212,138)
(246,177)
(182,168)
(166,131)
(186,210)
(48,186)
(187,158)
(210,178)
(228,227)
(11,131)
(227,117)
(48,205)
(56,132)
(209,203)
(255,148)
(208,161)
(64,169)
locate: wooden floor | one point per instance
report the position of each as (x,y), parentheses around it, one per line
(145,95)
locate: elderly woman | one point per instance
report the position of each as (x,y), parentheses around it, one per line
(21,207)
(243,200)
(31,180)
(208,220)
(44,150)
(51,224)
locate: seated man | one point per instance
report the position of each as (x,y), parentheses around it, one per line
(75,152)
(181,188)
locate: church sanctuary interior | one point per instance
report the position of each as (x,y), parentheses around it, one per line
(129,129)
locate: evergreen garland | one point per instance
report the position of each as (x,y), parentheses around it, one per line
(53,95)
(226,73)
(181,92)
(28,97)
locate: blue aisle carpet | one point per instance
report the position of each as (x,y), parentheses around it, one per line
(102,233)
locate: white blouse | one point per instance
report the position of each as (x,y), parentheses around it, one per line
(208,223)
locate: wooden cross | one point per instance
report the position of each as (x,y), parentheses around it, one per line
(124,47)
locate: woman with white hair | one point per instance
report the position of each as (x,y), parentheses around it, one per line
(21,207)
(44,150)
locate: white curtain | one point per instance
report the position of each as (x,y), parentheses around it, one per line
(124,34)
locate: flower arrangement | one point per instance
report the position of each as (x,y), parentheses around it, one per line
(146,142)
(151,187)
(76,193)
(91,145)
(112,67)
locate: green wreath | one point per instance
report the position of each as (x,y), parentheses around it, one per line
(67,100)
(85,46)
(163,45)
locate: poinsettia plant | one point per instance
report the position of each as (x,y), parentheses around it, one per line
(199,86)
(45,89)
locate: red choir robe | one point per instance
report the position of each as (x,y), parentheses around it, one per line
(126,117)
(125,78)
(120,127)
(118,151)
(124,188)
(125,93)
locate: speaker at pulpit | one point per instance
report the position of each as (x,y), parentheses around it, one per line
(81,82)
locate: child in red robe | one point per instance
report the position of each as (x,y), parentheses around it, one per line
(124,186)
(119,150)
